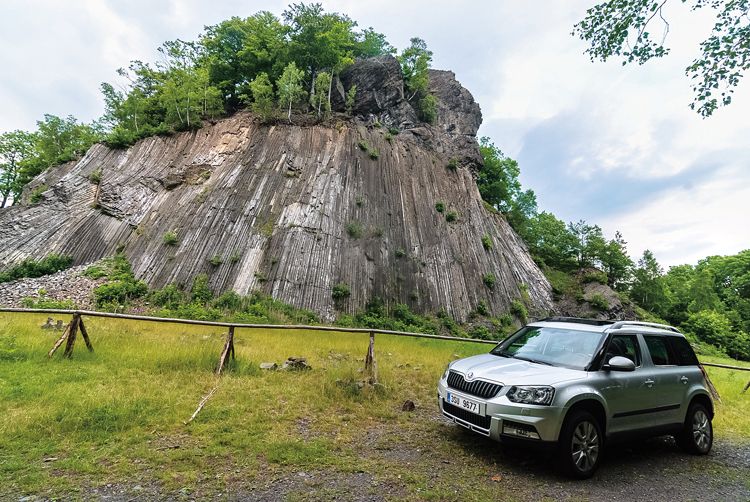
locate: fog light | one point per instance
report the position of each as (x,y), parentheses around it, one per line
(520,430)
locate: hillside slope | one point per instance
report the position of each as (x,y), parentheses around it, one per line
(294,210)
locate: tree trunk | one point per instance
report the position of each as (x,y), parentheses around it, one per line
(330,85)
(289,115)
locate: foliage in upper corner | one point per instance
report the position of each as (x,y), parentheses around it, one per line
(37,268)
(624,28)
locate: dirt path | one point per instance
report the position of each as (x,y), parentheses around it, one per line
(432,459)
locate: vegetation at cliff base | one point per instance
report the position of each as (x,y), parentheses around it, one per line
(37,268)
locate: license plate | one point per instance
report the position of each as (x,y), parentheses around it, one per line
(462,402)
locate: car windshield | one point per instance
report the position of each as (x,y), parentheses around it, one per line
(551,346)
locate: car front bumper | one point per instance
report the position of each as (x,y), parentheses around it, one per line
(502,420)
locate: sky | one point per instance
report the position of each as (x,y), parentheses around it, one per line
(614,145)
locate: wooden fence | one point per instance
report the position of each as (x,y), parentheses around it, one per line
(77,324)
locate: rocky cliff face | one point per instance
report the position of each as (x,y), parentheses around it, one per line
(294,210)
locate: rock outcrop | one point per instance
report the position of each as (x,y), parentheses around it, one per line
(295,210)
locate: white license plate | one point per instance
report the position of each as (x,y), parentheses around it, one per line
(462,402)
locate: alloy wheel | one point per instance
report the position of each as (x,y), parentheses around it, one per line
(585,446)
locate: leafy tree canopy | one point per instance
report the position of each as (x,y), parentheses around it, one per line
(636,30)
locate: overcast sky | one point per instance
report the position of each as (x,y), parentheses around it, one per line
(617,146)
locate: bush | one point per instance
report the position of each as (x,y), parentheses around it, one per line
(481,332)
(96,176)
(362,144)
(200,292)
(489,280)
(712,327)
(393,130)
(355,230)
(452,164)
(170,238)
(36,194)
(440,207)
(229,300)
(428,109)
(487,242)
(341,291)
(37,268)
(451,216)
(518,309)
(400,253)
(170,296)
(482,308)
(119,292)
(215,260)
(594,276)
(598,301)
(374,154)
(47,303)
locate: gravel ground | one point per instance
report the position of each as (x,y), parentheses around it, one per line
(651,470)
(68,284)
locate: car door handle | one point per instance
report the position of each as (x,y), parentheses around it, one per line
(649,383)
(684,379)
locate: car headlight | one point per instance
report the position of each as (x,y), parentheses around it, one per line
(445,373)
(531,394)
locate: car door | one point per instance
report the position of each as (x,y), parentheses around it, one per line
(669,389)
(627,393)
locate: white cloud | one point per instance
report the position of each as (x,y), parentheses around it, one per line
(595,124)
(686,224)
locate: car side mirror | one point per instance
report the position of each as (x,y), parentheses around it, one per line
(619,363)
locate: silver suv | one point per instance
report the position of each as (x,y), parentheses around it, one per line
(577,384)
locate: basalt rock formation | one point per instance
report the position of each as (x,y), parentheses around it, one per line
(294,210)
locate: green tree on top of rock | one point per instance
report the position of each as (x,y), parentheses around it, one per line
(289,88)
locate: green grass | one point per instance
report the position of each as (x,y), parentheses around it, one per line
(117,415)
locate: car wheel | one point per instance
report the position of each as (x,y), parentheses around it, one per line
(581,445)
(697,434)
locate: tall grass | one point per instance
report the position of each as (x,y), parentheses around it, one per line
(118,414)
(109,413)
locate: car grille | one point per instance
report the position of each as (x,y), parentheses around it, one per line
(477,388)
(467,416)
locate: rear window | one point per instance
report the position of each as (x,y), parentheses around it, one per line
(659,350)
(682,351)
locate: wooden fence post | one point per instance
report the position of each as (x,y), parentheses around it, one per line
(228,349)
(85,335)
(72,335)
(371,365)
(60,340)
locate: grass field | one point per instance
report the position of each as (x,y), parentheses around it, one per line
(115,417)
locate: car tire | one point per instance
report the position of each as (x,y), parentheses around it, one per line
(697,434)
(581,445)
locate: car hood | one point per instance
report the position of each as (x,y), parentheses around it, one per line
(509,371)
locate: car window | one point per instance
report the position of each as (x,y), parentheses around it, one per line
(657,347)
(624,346)
(682,350)
(553,346)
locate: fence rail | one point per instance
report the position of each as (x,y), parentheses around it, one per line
(93,313)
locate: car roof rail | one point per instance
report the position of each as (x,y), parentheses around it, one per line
(578,320)
(622,324)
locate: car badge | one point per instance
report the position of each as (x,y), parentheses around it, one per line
(470,375)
